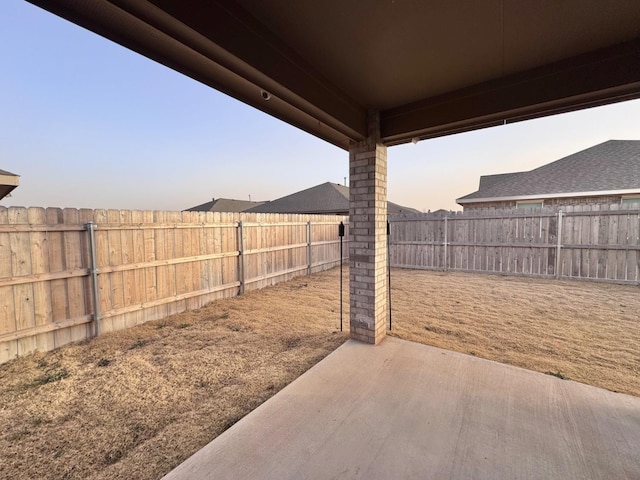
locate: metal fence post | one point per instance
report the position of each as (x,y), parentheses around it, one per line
(341,235)
(241,256)
(389,271)
(446,243)
(559,244)
(90,226)
(309,247)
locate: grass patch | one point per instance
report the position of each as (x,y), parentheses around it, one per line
(36,421)
(50,377)
(153,407)
(139,343)
(142,400)
(568,329)
(291,343)
(20,435)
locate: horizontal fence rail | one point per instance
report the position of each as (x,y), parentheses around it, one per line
(590,242)
(67,274)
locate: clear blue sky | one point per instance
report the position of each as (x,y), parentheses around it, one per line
(87,123)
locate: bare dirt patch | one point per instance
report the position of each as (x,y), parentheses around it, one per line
(134,404)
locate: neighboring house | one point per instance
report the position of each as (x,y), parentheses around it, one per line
(8,182)
(224,205)
(441,213)
(603,174)
(325,199)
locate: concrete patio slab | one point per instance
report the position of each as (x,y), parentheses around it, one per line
(404,410)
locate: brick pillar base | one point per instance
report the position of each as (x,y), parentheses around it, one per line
(368,236)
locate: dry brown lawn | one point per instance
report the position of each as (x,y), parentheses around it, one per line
(133,404)
(587,332)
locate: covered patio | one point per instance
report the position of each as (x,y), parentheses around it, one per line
(366,76)
(406,410)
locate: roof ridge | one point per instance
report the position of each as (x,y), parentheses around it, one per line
(612,165)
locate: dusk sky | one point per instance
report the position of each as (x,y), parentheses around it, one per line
(87,123)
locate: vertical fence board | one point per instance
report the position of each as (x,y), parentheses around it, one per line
(612,264)
(566,254)
(594,238)
(76,299)
(115,258)
(217,248)
(621,255)
(585,239)
(23,293)
(127,254)
(632,240)
(41,290)
(139,274)
(9,348)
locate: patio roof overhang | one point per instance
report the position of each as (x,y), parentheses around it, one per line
(430,68)
(8,182)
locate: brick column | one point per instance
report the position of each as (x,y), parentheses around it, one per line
(368,236)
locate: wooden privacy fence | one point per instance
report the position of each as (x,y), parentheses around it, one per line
(600,243)
(67,274)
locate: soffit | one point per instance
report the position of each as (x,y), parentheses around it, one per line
(429,67)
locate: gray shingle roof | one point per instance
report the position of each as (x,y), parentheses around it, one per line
(4,172)
(224,205)
(326,198)
(608,167)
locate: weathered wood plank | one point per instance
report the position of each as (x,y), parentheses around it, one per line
(23,295)
(633,239)
(77,287)
(585,239)
(127,257)
(115,259)
(8,349)
(621,255)
(41,290)
(612,260)
(149,255)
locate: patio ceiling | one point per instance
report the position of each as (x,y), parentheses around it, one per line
(430,67)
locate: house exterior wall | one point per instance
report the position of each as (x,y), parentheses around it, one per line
(548,202)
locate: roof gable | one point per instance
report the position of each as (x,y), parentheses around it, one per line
(488,181)
(608,167)
(324,198)
(224,205)
(329,198)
